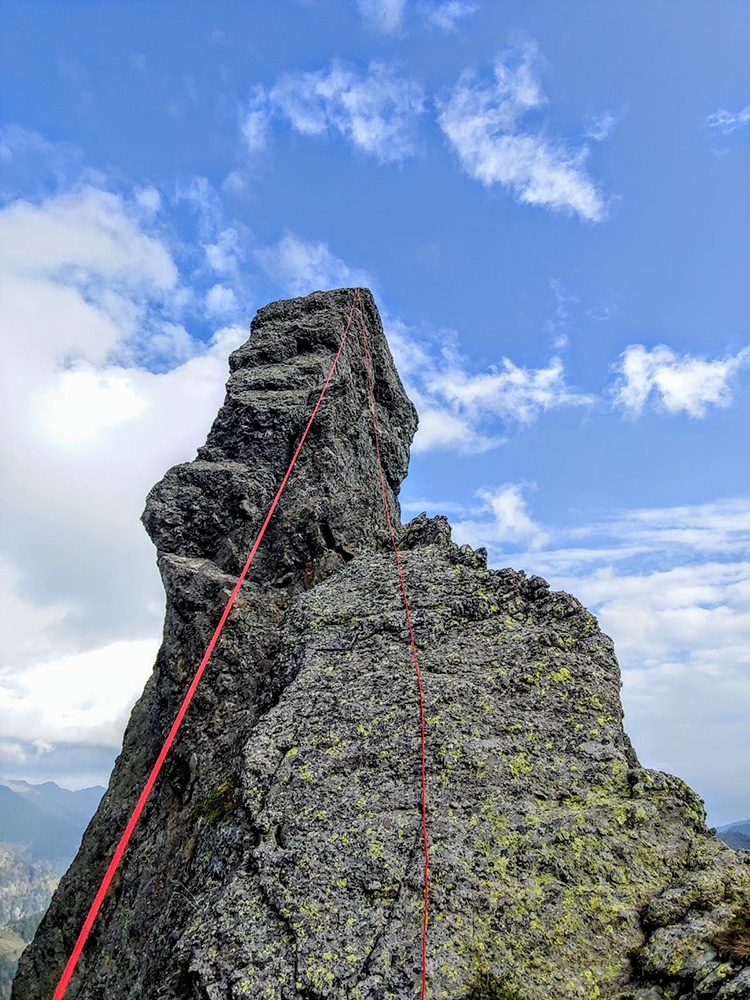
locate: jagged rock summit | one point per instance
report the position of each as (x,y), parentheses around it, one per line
(280,854)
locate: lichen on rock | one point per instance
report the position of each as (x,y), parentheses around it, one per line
(280,854)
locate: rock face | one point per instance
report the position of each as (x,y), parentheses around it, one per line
(280,853)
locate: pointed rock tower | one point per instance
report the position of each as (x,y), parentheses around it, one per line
(280,854)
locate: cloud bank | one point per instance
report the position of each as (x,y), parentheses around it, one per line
(104,388)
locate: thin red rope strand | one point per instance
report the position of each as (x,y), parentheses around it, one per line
(135,816)
(417,671)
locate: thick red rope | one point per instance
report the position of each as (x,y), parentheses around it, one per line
(417,671)
(124,840)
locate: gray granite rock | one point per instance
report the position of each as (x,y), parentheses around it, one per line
(280,854)
(737,989)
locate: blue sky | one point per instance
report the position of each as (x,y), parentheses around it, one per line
(550,202)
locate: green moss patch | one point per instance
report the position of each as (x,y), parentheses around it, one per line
(486,986)
(217,805)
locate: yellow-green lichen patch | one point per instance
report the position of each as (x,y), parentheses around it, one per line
(519,764)
(561,676)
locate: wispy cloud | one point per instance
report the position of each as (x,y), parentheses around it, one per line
(727,122)
(374,110)
(385,15)
(559,324)
(446,15)
(388,16)
(675,383)
(300,267)
(458,408)
(502,517)
(255,121)
(599,127)
(483,122)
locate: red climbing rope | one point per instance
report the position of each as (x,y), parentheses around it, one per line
(417,671)
(124,840)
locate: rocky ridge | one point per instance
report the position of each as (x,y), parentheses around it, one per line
(279,857)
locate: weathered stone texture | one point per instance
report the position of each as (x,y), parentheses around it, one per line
(280,856)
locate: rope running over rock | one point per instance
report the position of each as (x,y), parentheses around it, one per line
(417,671)
(150,782)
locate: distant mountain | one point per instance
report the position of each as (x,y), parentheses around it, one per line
(736,835)
(739,841)
(45,823)
(25,892)
(741,826)
(35,834)
(40,830)
(76,807)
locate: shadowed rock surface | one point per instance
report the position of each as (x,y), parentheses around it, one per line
(280,854)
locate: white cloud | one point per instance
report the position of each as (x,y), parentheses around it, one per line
(85,697)
(507,391)
(509,519)
(90,469)
(86,235)
(223,254)
(385,15)
(25,620)
(675,612)
(457,408)
(599,127)
(221,301)
(81,280)
(439,428)
(726,122)
(445,15)
(148,200)
(85,402)
(255,121)
(678,383)
(88,290)
(375,111)
(300,268)
(681,637)
(482,123)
